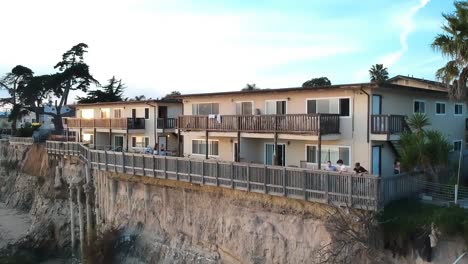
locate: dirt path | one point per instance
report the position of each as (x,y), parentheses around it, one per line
(13,224)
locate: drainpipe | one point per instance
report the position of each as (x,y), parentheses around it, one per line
(368,113)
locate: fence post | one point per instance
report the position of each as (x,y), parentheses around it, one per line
(304,183)
(232,175)
(456,193)
(98,160)
(248,177)
(350,190)
(265,186)
(105,159)
(190,170)
(123,163)
(154,167)
(203,172)
(143,159)
(115,162)
(133,164)
(284,182)
(177,169)
(165,167)
(326,188)
(377,193)
(216,173)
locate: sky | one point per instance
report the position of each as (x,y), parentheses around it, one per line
(158,46)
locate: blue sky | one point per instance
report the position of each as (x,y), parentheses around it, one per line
(202,46)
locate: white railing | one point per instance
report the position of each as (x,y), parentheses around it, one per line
(21,140)
(360,191)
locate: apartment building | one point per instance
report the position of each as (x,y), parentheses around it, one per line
(309,126)
(127,125)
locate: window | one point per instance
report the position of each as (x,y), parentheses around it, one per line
(440,108)
(339,106)
(458,109)
(87,113)
(329,153)
(146,113)
(140,142)
(244,108)
(457,145)
(205,109)
(419,107)
(133,113)
(117,113)
(199,147)
(105,113)
(275,107)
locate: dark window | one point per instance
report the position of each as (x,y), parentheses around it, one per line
(133,113)
(440,108)
(458,109)
(312,154)
(344,107)
(133,141)
(311,106)
(146,113)
(281,107)
(419,107)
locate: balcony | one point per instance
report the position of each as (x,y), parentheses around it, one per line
(293,123)
(166,123)
(106,123)
(386,126)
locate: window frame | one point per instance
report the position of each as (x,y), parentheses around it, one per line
(136,141)
(209,147)
(276,109)
(325,146)
(455,109)
(419,101)
(445,108)
(199,103)
(121,110)
(240,102)
(147,113)
(333,97)
(457,141)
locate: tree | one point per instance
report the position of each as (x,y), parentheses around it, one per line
(140,97)
(33,93)
(12,81)
(317,82)
(423,149)
(453,44)
(112,92)
(250,87)
(378,74)
(73,75)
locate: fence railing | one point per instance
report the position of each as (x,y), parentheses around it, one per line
(166,123)
(21,140)
(388,124)
(360,191)
(290,123)
(108,123)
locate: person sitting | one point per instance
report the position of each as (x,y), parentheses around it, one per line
(330,167)
(162,151)
(396,167)
(148,150)
(359,169)
(155,150)
(341,166)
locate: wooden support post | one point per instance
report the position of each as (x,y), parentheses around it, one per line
(143,160)
(232,175)
(206,144)
(105,160)
(133,164)
(177,169)
(94,135)
(265,180)
(72,219)
(81,135)
(216,173)
(165,167)
(154,167)
(285,192)
(304,184)
(178,142)
(238,146)
(126,137)
(97,155)
(319,150)
(115,161)
(248,177)
(110,138)
(190,170)
(350,190)
(80,221)
(203,172)
(326,187)
(123,163)
(275,157)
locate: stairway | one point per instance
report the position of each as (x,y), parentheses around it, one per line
(395,144)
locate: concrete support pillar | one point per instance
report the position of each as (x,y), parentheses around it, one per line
(89,214)
(81,221)
(72,219)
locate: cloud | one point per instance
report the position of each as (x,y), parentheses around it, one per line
(407,27)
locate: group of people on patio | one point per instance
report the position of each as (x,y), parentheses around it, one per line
(156,151)
(340,167)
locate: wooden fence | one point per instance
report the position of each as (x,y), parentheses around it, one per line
(360,191)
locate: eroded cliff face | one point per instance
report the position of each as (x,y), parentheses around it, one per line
(184,223)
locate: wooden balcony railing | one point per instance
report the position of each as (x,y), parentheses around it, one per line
(166,123)
(109,123)
(388,124)
(293,123)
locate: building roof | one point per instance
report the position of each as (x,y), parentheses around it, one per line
(167,100)
(436,89)
(435,85)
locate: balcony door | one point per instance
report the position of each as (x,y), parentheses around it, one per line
(376,160)
(376,104)
(162,112)
(118,143)
(270,152)
(275,107)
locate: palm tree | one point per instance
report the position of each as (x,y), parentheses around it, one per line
(418,121)
(453,44)
(250,87)
(378,74)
